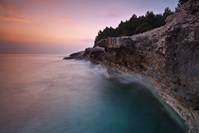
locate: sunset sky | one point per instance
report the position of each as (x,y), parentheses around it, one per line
(64,26)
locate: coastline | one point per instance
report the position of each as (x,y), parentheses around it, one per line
(168,56)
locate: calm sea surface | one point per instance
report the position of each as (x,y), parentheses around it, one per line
(45,94)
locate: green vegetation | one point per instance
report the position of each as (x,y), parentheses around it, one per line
(135,25)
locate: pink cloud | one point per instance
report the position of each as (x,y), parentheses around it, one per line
(9,7)
(52,3)
(11,17)
(65,19)
(10,12)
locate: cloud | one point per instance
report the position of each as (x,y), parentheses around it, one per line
(52,3)
(11,17)
(8,13)
(65,19)
(9,7)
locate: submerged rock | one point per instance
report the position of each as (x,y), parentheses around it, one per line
(169,55)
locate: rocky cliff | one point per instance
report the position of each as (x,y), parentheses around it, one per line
(169,55)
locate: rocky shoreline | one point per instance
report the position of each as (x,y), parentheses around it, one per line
(168,55)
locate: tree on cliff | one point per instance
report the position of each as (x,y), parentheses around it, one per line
(143,27)
(167,12)
(181,2)
(135,25)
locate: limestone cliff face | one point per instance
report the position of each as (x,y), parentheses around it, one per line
(169,55)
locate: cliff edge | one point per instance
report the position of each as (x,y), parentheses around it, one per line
(169,55)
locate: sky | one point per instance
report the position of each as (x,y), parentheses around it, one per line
(64,26)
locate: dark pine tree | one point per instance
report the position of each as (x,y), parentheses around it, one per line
(181,2)
(135,25)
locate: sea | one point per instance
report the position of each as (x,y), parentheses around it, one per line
(46,94)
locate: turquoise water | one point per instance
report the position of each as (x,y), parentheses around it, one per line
(45,94)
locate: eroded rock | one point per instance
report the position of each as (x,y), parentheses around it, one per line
(169,55)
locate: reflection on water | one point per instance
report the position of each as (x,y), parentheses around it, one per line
(45,94)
